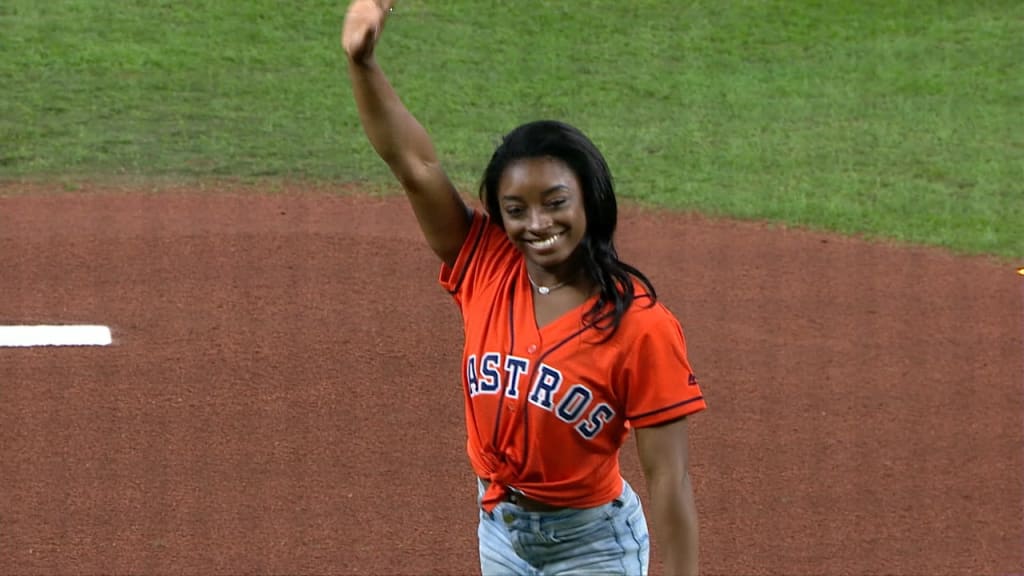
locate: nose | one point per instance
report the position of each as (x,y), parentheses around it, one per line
(538,221)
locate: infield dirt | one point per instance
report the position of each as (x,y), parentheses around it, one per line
(282,394)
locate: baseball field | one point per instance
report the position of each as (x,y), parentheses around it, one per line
(829,195)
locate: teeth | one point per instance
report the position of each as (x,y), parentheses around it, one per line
(546,243)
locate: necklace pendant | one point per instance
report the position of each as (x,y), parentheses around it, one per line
(543,289)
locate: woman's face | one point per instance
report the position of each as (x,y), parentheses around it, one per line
(542,209)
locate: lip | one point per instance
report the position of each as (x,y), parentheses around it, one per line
(547,245)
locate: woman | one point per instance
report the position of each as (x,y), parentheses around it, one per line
(566,346)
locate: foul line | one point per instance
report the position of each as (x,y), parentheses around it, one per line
(54,335)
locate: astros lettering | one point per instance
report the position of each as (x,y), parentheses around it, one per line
(547,407)
(489,374)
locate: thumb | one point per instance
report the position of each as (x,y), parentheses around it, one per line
(360,42)
(369,41)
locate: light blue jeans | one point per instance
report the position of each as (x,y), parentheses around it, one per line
(608,539)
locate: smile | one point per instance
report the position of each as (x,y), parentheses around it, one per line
(545,243)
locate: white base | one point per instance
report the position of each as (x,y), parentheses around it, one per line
(43,335)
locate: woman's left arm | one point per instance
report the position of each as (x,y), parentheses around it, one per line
(672,511)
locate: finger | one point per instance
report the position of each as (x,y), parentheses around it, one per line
(356,41)
(367,42)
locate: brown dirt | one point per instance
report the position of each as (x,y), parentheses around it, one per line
(282,396)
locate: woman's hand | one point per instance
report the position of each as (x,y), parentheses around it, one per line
(364,22)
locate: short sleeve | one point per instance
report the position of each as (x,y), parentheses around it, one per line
(657,382)
(484,255)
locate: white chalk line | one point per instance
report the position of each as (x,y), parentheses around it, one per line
(27,336)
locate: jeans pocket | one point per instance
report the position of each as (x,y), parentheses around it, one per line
(596,530)
(583,525)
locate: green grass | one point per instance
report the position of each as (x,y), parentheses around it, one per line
(900,119)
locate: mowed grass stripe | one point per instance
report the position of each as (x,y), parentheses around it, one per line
(894,119)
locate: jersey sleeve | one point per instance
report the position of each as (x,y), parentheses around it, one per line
(656,380)
(484,256)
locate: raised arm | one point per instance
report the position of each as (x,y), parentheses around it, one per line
(398,137)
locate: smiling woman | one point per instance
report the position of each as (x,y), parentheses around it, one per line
(551,190)
(567,348)
(542,209)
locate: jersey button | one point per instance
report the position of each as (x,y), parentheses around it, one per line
(532,348)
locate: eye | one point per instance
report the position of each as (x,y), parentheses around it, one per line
(513,211)
(557,203)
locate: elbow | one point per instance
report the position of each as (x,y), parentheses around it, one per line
(669,483)
(671,491)
(413,173)
(675,507)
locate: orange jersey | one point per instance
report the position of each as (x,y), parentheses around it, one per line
(548,409)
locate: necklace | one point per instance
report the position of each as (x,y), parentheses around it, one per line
(545,289)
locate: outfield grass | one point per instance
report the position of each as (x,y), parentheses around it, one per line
(902,119)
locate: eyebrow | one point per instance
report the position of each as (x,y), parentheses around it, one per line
(555,188)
